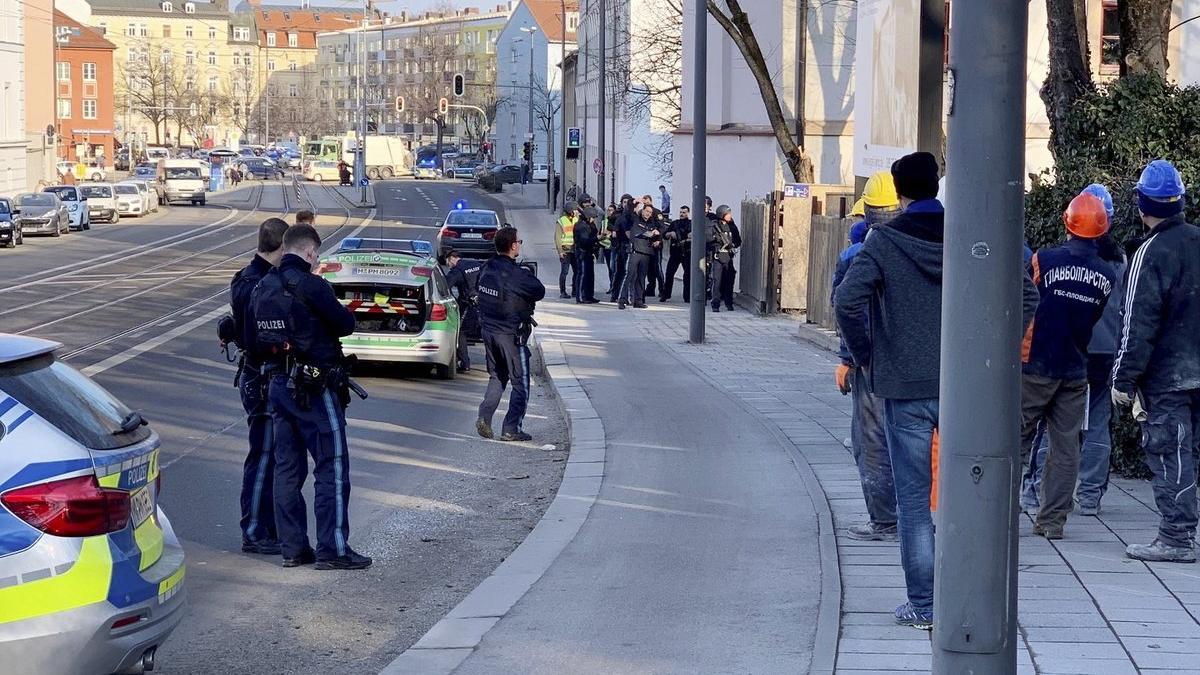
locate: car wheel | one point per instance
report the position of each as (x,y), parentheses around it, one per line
(58,230)
(387,172)
(317,178)
(97,177)
(445,372)
(202,202)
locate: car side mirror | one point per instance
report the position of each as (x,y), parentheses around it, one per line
(16,212)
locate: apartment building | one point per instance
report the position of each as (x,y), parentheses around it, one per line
(83,79)
(38,21)
(13,140)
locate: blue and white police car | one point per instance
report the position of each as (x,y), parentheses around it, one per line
(91,573)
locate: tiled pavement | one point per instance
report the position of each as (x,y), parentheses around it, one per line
(1083,606)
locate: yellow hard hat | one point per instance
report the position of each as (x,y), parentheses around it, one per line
(860,208)
(880,191)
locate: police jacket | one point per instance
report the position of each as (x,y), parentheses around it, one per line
(680,232)
(462,279)
(723,238)
(1159,350)
(587,236)
(240,290)
(625,219)
(507,293)
(641,238)
(297,314)
(1074,285)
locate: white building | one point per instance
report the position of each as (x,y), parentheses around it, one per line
(13,140)
(528,78)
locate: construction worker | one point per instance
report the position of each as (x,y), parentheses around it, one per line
(1074,284)
(1158,362)
(564,244)
(868,437)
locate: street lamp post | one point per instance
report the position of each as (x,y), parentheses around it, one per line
(530,30)
(699,139)
(601,141)
(562,57)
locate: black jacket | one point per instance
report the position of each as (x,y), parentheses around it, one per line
(680,235)
(587,237)
(1159,350)
(723,238)
(297,309)
(641,237)
(507,294)
(239,300)
(462,279)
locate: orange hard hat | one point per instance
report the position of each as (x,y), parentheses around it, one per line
(1085,217)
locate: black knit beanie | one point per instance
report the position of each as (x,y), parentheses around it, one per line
(916,176)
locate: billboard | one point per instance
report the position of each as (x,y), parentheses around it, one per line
(885,84)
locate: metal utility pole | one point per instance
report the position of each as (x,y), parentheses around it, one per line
(602,143)
(360,157)
(699,160)
(562,58)
(929,76)
(267,98)
(975,594)
(530,30)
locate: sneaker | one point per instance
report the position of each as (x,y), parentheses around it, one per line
(515,436)
(1087,509)
(308,557)
(1159,551)
(1049,532)
(350,561)
(907,615)
(716,308)
(621,305)
(872,532)
(484,428)
(261,546)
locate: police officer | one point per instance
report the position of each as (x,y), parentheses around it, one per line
(507,293)
(587,244)
(298,321)
(258,501)
(462,277)
(623,220)
(723,242)
(642,239)
(679,234)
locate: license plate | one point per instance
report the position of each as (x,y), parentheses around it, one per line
(472,235)
(141,505)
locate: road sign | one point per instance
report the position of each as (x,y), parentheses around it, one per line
(598,165)
(364,181)
(796,190)
(574,138)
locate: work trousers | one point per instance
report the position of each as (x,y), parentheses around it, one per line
(507,363)
(463,354)
(722,280)
(868,445)
(258,471)
(654,276)
(585,263)
(678,258)
(635,281)
(619,271)
(568,265)
(1169,440)
(1059,405)
(321,431)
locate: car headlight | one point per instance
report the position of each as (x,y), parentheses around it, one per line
(74,206)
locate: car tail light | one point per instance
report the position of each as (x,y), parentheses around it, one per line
(73,507)
(489,235)
(324,267)
(438,313)
(421,271)
(448,233)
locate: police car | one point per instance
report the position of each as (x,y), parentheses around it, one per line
(91,573)
(402,305)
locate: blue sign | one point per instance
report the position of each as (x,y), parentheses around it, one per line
(796,190)
(573,138)
(216,178)
(364,181)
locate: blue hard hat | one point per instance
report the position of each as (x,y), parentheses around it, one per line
(1160,180)
(1101,193)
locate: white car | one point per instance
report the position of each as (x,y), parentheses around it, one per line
(76,202)
(130,200)
(320,169)
(91,172)
(148,194)
(541,172)
(101,201)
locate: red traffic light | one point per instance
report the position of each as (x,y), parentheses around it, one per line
(443,106)
(399,104)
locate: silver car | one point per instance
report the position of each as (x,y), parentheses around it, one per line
(41,213)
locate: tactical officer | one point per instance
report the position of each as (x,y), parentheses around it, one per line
(258,501)
(507,293)
(621,222)
(298,321)
(642,239)
(679,234)
(587,245)
(723,242)
(462,277)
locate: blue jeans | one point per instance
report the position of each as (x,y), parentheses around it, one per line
(868,445)
(1097,442)
(910,425)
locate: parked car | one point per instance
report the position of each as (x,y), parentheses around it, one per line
(91,170)
(94,574)
(319,170)
(471,232)
(101,201)
(121,160)
(41,213)
(10,232)
(541,172)
(145,170)
(464,169)
(130,200)
(260,167)
(153,190)
(149,202)
(498,175)
(76,202)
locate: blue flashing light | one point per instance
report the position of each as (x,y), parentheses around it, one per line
(460,205)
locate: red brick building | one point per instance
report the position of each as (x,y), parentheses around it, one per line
(83,75)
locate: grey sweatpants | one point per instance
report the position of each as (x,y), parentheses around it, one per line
(1062,405)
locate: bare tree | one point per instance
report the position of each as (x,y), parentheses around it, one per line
(240,91)
(476,127)
(144,85)
(1144,25)
(1070,78)
(433,57)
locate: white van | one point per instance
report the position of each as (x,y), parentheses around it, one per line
(185,180)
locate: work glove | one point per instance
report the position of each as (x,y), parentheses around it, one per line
(1121,399)
(842,376)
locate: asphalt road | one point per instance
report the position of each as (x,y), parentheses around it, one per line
(438,508)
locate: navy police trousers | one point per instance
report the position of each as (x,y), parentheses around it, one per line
(507,363)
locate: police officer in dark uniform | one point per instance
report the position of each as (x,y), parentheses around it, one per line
(623,221)
(462,277)
(644,240)
(298,321)
(679,234)
(258,501)
(507,293)
(723,242)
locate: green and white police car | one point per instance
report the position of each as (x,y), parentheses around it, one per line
(404,310)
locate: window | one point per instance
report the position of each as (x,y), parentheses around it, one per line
(189,8)
(241,33)
(143,31)
(64,71)
(237,58)
(271,39)
(270,65)
(212,58)
(293,40)
(189,85)
(293,91)
(64,107)
(291,65)
(102,27)
(189,58)
(131,30)
(89,108)
(165,56)
(212,84)
(89,72)
(1110,38)
(212,32)
(166,30)
(187,30)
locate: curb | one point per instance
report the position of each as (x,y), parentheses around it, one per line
(820,337)
(451,640)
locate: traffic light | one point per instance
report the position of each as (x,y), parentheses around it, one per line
(460,84)
(443,106)
(528,151)
(399,104)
